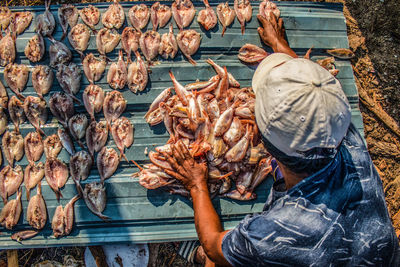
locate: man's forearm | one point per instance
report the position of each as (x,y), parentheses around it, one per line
(283,47)
(208,224)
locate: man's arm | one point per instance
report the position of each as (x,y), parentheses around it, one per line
(194,176)
(272,33)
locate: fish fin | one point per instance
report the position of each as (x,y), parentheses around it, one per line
(307,55)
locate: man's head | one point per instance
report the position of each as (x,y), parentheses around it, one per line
(301,110)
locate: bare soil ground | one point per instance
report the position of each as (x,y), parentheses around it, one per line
(374,36)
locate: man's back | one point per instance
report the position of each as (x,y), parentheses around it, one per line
(335,217)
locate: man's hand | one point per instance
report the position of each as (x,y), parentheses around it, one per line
(272,33)
(191,173)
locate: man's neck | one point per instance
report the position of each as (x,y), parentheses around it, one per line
(291,178)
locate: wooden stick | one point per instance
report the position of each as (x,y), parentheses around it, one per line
(98,255)
(12,258)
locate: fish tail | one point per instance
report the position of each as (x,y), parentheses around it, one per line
(223,31)
(242,27)
(28,194)
(63,36)
(192,61)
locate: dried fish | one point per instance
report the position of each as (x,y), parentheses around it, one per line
(114,16)
(11,212)
(20,21)
(96,199)
(237,196)
(33,145)
(36,211)
(42,79)
(33,174)
(117,73)
(66,141)
(207,17)
(341,53)
(63,219)
(7,48)
(130,41)
(5,17)
(93,67)
(56,173)
(243,11)
(93,98)
(69,78)
(62,107)
(77,125)
(220,71)
(59,53)
(96,136)
(36,111)
(122,133)
(189,43)
(16,112)
(3,122)
(162,97)
(22,235)
(16,76)
(90,15)
(113,106)
(183,12)
(266,7)
(226,16)
(10,180)
(3,96)
(139,16)
(79,165)
(149,44)
(160,15)
(239,150)
(67,16)
(52,146)
(168,46)
(107,40)
(45,23)
(35,48)
(252,54)
(137,74)
(79,37)
(107,162)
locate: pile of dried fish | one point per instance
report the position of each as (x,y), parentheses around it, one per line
(214,119)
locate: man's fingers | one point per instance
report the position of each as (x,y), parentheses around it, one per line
(264,22)
(273,20)
(177,154)
(175,175)
(170,160)
(184,150)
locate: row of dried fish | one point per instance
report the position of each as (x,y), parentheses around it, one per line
(214,120)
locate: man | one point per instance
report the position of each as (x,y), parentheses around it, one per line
(331,211)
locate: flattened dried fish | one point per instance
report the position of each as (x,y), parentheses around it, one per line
(33,145)
(137,74)
(183,12)
(5,17)
(33,174)
(95,198)
(252,54)
(34,49)
(117,73)
(3,122)
(16,112)
(77,125)
(7,49)
(226,16)
(3,96)
(66,141)
(67,16)
(22,235)
(56,173)
(160,15)
(79,37)
(341,53)
(207,17)
(93,67)
(149,44)
(107,162)
(63,219)
(130,41)
(107,40)
(113,106)
(266,7)
(62,107)
(36,111)
(80,165)
(36,211)
(93,98)
(59,53)
(114,16)
(122,132)
(96,136)
(52,146)
(90,16)
(20,21)
(69,77)
(11,212)
(10,180)
(139,16)
(16,76)
(189,43)
(243,11)
(45,23)
(168,46)
(42,79)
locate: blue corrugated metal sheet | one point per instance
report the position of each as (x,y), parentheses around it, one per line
(139,215)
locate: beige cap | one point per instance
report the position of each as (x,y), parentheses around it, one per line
(299,105)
